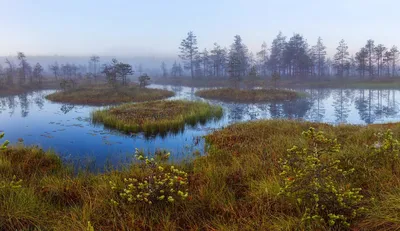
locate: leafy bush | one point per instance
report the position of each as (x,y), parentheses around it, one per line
(312,178)
(5,144)
(159,183)
(385,151)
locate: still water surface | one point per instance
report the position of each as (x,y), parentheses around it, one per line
(67,129)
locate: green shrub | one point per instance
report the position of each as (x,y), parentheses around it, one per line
(312,179)
(159,183)
(5,144)
(385,151)
(13,184)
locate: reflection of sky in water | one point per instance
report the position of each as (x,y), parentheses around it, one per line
(67,129)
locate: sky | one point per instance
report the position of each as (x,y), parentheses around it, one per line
(156,27)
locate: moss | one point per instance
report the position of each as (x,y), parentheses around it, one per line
(106,95)
(249,96)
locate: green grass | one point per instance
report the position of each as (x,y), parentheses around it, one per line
(234,187)
(158,117)
(106,95)
(249,96)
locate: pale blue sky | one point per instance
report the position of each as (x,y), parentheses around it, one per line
(156,27)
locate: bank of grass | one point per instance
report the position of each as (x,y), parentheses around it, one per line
(106,95)
(354,82)
(234,187)
(157,117)
(16,89)
(250,95)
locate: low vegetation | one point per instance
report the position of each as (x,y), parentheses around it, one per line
(14,89)
(159,117)
(106,94)
(249,96)
(263,175)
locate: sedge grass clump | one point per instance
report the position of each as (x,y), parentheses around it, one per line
(159,117)
(159,184)
(313,179)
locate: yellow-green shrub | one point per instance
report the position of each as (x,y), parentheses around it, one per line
(312,179)
(159,183)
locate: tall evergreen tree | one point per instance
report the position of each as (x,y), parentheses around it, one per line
(395,57)
(164,70)
(379,52)
(296,56)
(275,62)
(218,57)
(370,46)
(341,58)
(38,72)
(189,52)
(238,59)
(263,59)
(319,53)
(361,61)
(24,66)
(205,60)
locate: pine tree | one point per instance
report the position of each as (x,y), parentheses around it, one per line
(370,46)
(218,57)
(275,62)
(238,59)
(361,61)
(189,52)
(263,59)
(319,53)
(395,57)
(341,58)
(379,52)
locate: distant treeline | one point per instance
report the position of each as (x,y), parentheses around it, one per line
(291,58)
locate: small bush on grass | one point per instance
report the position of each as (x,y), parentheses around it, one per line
(159,183)
(313,179)
(385,152)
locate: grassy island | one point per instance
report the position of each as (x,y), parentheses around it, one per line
(158,117)
(16,89)
(106,95)
(263,175)
(248,96)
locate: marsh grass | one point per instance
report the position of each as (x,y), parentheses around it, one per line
(106,95)
(159,117)
(376,83)
(249,96)
(15,89)
(235,186)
